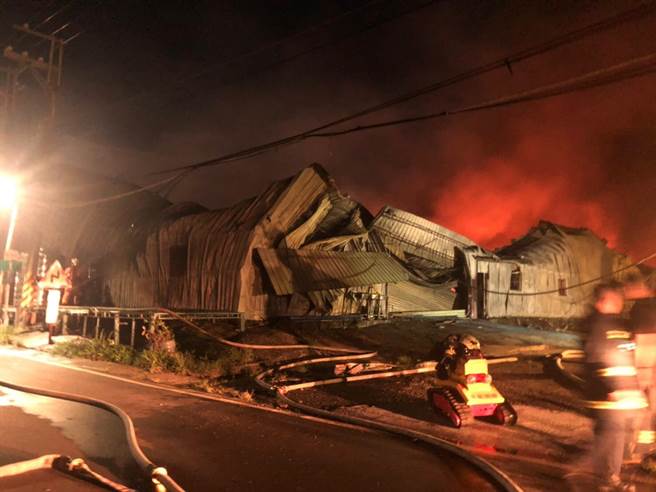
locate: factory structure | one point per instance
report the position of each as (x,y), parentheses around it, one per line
(303,248)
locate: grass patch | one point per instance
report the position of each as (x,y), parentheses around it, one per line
(229,363)
(96,349)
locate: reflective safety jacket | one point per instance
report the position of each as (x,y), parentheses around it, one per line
(643,325)
(611,376)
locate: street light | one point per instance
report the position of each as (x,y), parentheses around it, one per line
(9,201)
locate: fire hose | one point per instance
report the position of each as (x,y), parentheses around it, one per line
(567,355)
(282,396)
(282,392)
(74,467)
(159,475)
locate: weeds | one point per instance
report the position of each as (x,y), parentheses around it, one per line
(230,363)
(96,349)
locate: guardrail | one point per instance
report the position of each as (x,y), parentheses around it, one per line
(89,319)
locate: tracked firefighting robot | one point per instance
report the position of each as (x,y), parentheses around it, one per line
(465,388)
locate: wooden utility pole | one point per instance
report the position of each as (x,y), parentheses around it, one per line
(8,82)
(48,73)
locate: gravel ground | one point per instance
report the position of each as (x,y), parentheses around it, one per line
(551,438)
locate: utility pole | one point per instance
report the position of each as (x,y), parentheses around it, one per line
(8,82)
(47,73)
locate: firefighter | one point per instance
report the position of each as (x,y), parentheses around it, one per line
(643,326)
(611,385)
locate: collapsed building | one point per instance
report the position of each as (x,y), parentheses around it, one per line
(304,248)
(300,248)
(550,272)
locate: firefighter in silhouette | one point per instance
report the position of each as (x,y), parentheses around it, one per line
(643,326)
(612,389)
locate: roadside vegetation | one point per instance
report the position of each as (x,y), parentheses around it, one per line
(229,364)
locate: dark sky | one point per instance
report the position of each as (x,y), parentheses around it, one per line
(152,84)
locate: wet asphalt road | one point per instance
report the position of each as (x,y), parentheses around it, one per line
(212,446)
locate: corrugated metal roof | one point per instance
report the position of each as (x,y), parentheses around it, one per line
(405,233)
(310,270)
(219,272)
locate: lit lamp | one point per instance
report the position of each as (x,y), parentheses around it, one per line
(9,201)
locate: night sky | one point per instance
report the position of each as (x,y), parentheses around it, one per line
(151,85)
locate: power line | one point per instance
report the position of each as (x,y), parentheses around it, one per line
(635,67)
(580,284)
(43,8)
(55,14)
(617,73)
(48,18)
(118,196)
(67,24)
(504,62)
(281,41)
(341,39)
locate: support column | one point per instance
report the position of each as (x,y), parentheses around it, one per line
(133,328)
(117,329)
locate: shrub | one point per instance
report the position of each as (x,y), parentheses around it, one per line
(229,363)
(96,349)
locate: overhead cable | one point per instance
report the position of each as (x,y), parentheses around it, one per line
(504,63)
(281,41)
(635,67)
(616,73)
(577,285)
(118,196)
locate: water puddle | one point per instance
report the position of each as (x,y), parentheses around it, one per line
(98,434)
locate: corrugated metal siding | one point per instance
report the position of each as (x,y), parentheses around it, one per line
(405,233)
(218,243)
(547,254)
(311,270)
(292,207)
(410,296)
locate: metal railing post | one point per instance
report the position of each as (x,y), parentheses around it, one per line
(117,329)
(133,327)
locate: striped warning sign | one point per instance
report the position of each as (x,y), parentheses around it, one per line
(28,292)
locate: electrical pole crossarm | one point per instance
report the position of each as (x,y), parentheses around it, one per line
(25,59)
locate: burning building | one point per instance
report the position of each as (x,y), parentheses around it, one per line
(550,272)
(302,247)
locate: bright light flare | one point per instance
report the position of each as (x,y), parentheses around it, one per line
(8,192)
